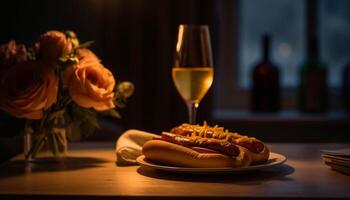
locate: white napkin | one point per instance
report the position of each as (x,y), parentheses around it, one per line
(129,146)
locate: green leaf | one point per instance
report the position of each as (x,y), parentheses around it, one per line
(111,113)
(73,59)
(85,45)
(68,61)
(87,128)
(92,120)
(31,53)
(114,113)
(73,131)
(63,59)
(71,34)
(120,102)
(83,122)
(55,115)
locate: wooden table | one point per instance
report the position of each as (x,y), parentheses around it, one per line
(91,173)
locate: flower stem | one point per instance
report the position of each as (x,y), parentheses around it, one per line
(54,145)
(36,147)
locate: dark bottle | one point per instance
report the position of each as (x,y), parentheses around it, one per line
(313,93)
(346,87)
(265,96)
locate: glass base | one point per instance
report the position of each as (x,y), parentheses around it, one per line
(51,147)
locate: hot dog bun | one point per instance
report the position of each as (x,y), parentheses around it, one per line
(258,150)
(171,154)
(260,158)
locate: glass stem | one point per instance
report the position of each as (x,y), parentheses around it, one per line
(192,112)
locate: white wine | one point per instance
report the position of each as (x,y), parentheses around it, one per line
(193,83)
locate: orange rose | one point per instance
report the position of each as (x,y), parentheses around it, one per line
(27,89)
(54,44)
(90,84)
(87,57)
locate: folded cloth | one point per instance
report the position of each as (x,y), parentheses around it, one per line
(338,160)
(129,146)
(339,152)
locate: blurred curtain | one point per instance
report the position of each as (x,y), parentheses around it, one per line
(152,34)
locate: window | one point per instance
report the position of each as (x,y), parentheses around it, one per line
(284,21)
(246,21)
(334,31)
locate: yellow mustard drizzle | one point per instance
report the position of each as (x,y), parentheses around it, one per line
(215,132)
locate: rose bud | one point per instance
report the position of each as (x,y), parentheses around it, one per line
(53,45)
(126,89)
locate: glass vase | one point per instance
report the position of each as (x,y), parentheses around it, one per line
(48,145)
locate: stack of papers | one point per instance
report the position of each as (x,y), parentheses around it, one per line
(338,160)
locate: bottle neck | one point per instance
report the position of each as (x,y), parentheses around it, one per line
(312,50)
(312,32)
(266,48)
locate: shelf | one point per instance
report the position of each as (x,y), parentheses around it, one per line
(283,116)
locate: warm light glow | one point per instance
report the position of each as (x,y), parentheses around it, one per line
(285,49)
(179,39)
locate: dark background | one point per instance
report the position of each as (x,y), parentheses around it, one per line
(136,40)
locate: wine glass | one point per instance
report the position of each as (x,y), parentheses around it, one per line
(193,67)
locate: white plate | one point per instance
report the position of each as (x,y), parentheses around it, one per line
(274,160)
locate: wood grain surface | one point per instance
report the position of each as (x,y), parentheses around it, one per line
(90,172)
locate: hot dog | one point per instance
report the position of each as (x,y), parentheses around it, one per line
(176,150)
(259,151)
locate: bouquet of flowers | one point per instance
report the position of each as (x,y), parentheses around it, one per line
(57,85)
